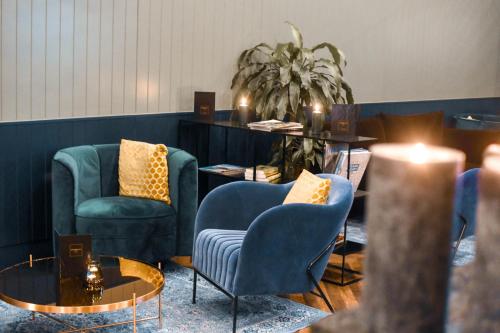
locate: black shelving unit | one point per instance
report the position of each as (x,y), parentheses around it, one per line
(352,141)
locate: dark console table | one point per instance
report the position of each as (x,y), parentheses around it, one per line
(352,141)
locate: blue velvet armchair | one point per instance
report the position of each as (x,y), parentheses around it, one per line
(464,222)
(248,243)
(85,201)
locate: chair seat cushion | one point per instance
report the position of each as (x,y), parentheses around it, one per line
(130,227)
(216,255)
(123,208)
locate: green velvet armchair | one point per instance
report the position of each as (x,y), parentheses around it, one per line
(85,201)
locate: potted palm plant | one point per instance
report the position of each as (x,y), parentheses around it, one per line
(282,82)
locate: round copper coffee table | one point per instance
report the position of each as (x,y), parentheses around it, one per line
(36,285)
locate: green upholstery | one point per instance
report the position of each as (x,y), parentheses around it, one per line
(85,201)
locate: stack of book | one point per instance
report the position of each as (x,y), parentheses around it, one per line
(264,173)
(275,126)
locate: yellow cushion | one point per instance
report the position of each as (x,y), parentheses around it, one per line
(143,170)
(309,188)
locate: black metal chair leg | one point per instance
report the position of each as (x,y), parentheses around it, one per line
(195,278)
(321,293)
(235,312)
(462,231)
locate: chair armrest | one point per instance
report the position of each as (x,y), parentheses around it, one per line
(63,199)
(183,188)
(235,205)
(282,242)
(75,178)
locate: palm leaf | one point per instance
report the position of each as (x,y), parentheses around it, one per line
(337,54)
(297,36)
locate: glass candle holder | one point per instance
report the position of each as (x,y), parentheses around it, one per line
(317,119)
(93,276)
(243,111)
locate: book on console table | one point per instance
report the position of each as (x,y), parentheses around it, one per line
(225,169)
(274,125)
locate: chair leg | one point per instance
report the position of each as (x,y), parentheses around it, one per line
(311,276)
(321,293)
(462,231)
(235,312)
(195,278)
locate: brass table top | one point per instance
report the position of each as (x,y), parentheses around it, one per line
(38,287)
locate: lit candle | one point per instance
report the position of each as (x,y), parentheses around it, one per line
(409,216)
(243,111)
(484,293)
(317,119)
(493,149)
(93,276)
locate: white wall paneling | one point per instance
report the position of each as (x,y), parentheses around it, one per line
(73,58)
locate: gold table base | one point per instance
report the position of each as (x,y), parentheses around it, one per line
(134,320)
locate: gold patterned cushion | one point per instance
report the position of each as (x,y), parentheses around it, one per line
(310,189)
(143,170)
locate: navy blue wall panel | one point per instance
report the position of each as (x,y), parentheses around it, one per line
(27,148)
(449,107)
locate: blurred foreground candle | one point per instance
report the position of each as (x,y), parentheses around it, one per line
(484,295)
(243,111)
(492,150)
(410,210)
(317,119)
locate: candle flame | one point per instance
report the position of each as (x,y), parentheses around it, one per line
(243,101)
(420,154)
(317,107)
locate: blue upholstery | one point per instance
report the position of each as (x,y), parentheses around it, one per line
(217,254)
(248,243)
(466,203)
(85,201)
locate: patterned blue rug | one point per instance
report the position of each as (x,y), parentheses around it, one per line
(464,255)
(212,313)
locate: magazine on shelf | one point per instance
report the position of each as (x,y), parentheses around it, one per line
(225,169)
(359,161)
(331,155)
(274,125)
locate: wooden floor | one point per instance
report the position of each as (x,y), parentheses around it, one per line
(341,297)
